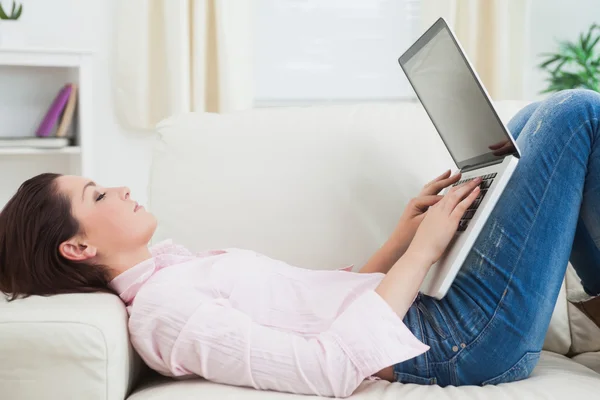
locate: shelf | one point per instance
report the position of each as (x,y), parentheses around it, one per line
(39,57)
(43,50)
(38,151)
(30,80)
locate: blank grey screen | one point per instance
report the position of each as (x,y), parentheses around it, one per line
(454,101)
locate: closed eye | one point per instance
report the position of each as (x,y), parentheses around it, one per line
(101,196)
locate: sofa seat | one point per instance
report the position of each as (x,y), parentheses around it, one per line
(555,377)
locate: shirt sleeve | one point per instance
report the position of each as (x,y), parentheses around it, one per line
(224,345)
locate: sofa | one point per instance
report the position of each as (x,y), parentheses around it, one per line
(319,187)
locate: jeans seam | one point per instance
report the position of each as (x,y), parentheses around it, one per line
(453,373)
(516,368)
(432,322)
(425,355)
(500,303)
(453,334)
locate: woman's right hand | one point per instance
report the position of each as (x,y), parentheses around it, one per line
(441,221)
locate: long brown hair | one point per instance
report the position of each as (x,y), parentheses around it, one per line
(34,222)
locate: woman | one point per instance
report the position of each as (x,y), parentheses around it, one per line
(241,318)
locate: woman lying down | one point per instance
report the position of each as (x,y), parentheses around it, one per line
(241,318)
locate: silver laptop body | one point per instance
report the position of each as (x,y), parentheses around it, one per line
(463,114)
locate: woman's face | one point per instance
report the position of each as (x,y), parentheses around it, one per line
(111,222)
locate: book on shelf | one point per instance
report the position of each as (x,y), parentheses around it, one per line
(35,142)
(53,114)
(52,132)
(69,112)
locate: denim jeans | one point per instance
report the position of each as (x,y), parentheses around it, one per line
(491,325)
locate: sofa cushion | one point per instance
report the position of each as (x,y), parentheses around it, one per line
(65,347)
(558,337)
(319,187)
(555,377)
(585,335)
(590,360)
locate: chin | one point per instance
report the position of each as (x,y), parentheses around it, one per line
(146,226)
(153,223)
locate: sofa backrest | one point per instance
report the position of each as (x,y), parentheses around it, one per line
(319,187)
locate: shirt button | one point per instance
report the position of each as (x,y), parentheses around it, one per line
(462,345)
(455,348)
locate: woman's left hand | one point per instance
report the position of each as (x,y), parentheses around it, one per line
(410,220)
(417,207)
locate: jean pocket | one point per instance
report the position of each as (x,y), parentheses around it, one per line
(521,370)
(433,328)
(409,378)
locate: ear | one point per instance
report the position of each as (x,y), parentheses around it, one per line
(76,250)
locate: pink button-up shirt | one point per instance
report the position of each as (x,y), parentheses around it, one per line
(240,318)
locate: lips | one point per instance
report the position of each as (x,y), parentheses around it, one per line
(137,207)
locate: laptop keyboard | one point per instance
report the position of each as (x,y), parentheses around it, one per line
(470,213)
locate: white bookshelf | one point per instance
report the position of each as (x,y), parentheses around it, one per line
(23,151)
(30,78)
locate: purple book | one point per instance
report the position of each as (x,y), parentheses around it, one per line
(53,114)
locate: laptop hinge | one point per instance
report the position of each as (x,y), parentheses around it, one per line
(468,168)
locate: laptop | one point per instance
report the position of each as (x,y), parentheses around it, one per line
(463,114)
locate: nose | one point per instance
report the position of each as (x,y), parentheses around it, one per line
(125,192)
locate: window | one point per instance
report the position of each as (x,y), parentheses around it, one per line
(310,51)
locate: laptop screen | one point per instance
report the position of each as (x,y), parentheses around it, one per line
(454,99)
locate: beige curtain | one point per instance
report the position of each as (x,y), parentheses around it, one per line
(176,56)
(495,35)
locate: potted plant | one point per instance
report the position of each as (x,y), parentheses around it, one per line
(11,33)
(575,65)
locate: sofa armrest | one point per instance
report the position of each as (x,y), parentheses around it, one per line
(73,346)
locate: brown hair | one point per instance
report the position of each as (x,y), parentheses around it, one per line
(34,222)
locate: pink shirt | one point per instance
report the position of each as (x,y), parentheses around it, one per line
(241,318)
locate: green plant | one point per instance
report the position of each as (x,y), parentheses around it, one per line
(14,14)
(576,65)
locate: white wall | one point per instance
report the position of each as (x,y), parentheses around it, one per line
(121,157)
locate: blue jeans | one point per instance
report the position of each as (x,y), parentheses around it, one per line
(491,325)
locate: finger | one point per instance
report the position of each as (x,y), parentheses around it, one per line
(462,207)
(442,176)
(422,202)
(468,182)
(438,186)
(462,191)
(455,188)
(506,149)
(498,145)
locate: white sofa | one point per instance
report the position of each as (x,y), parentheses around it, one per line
(320,187)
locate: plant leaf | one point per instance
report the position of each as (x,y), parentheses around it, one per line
(554,59)
(589,36)
(575,64)
(547,54)
(581,55)
(582,42)
(560,65)
(594,43)
(2,13)
(19,11)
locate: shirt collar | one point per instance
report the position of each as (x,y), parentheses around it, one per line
(164,253)
(129,282)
